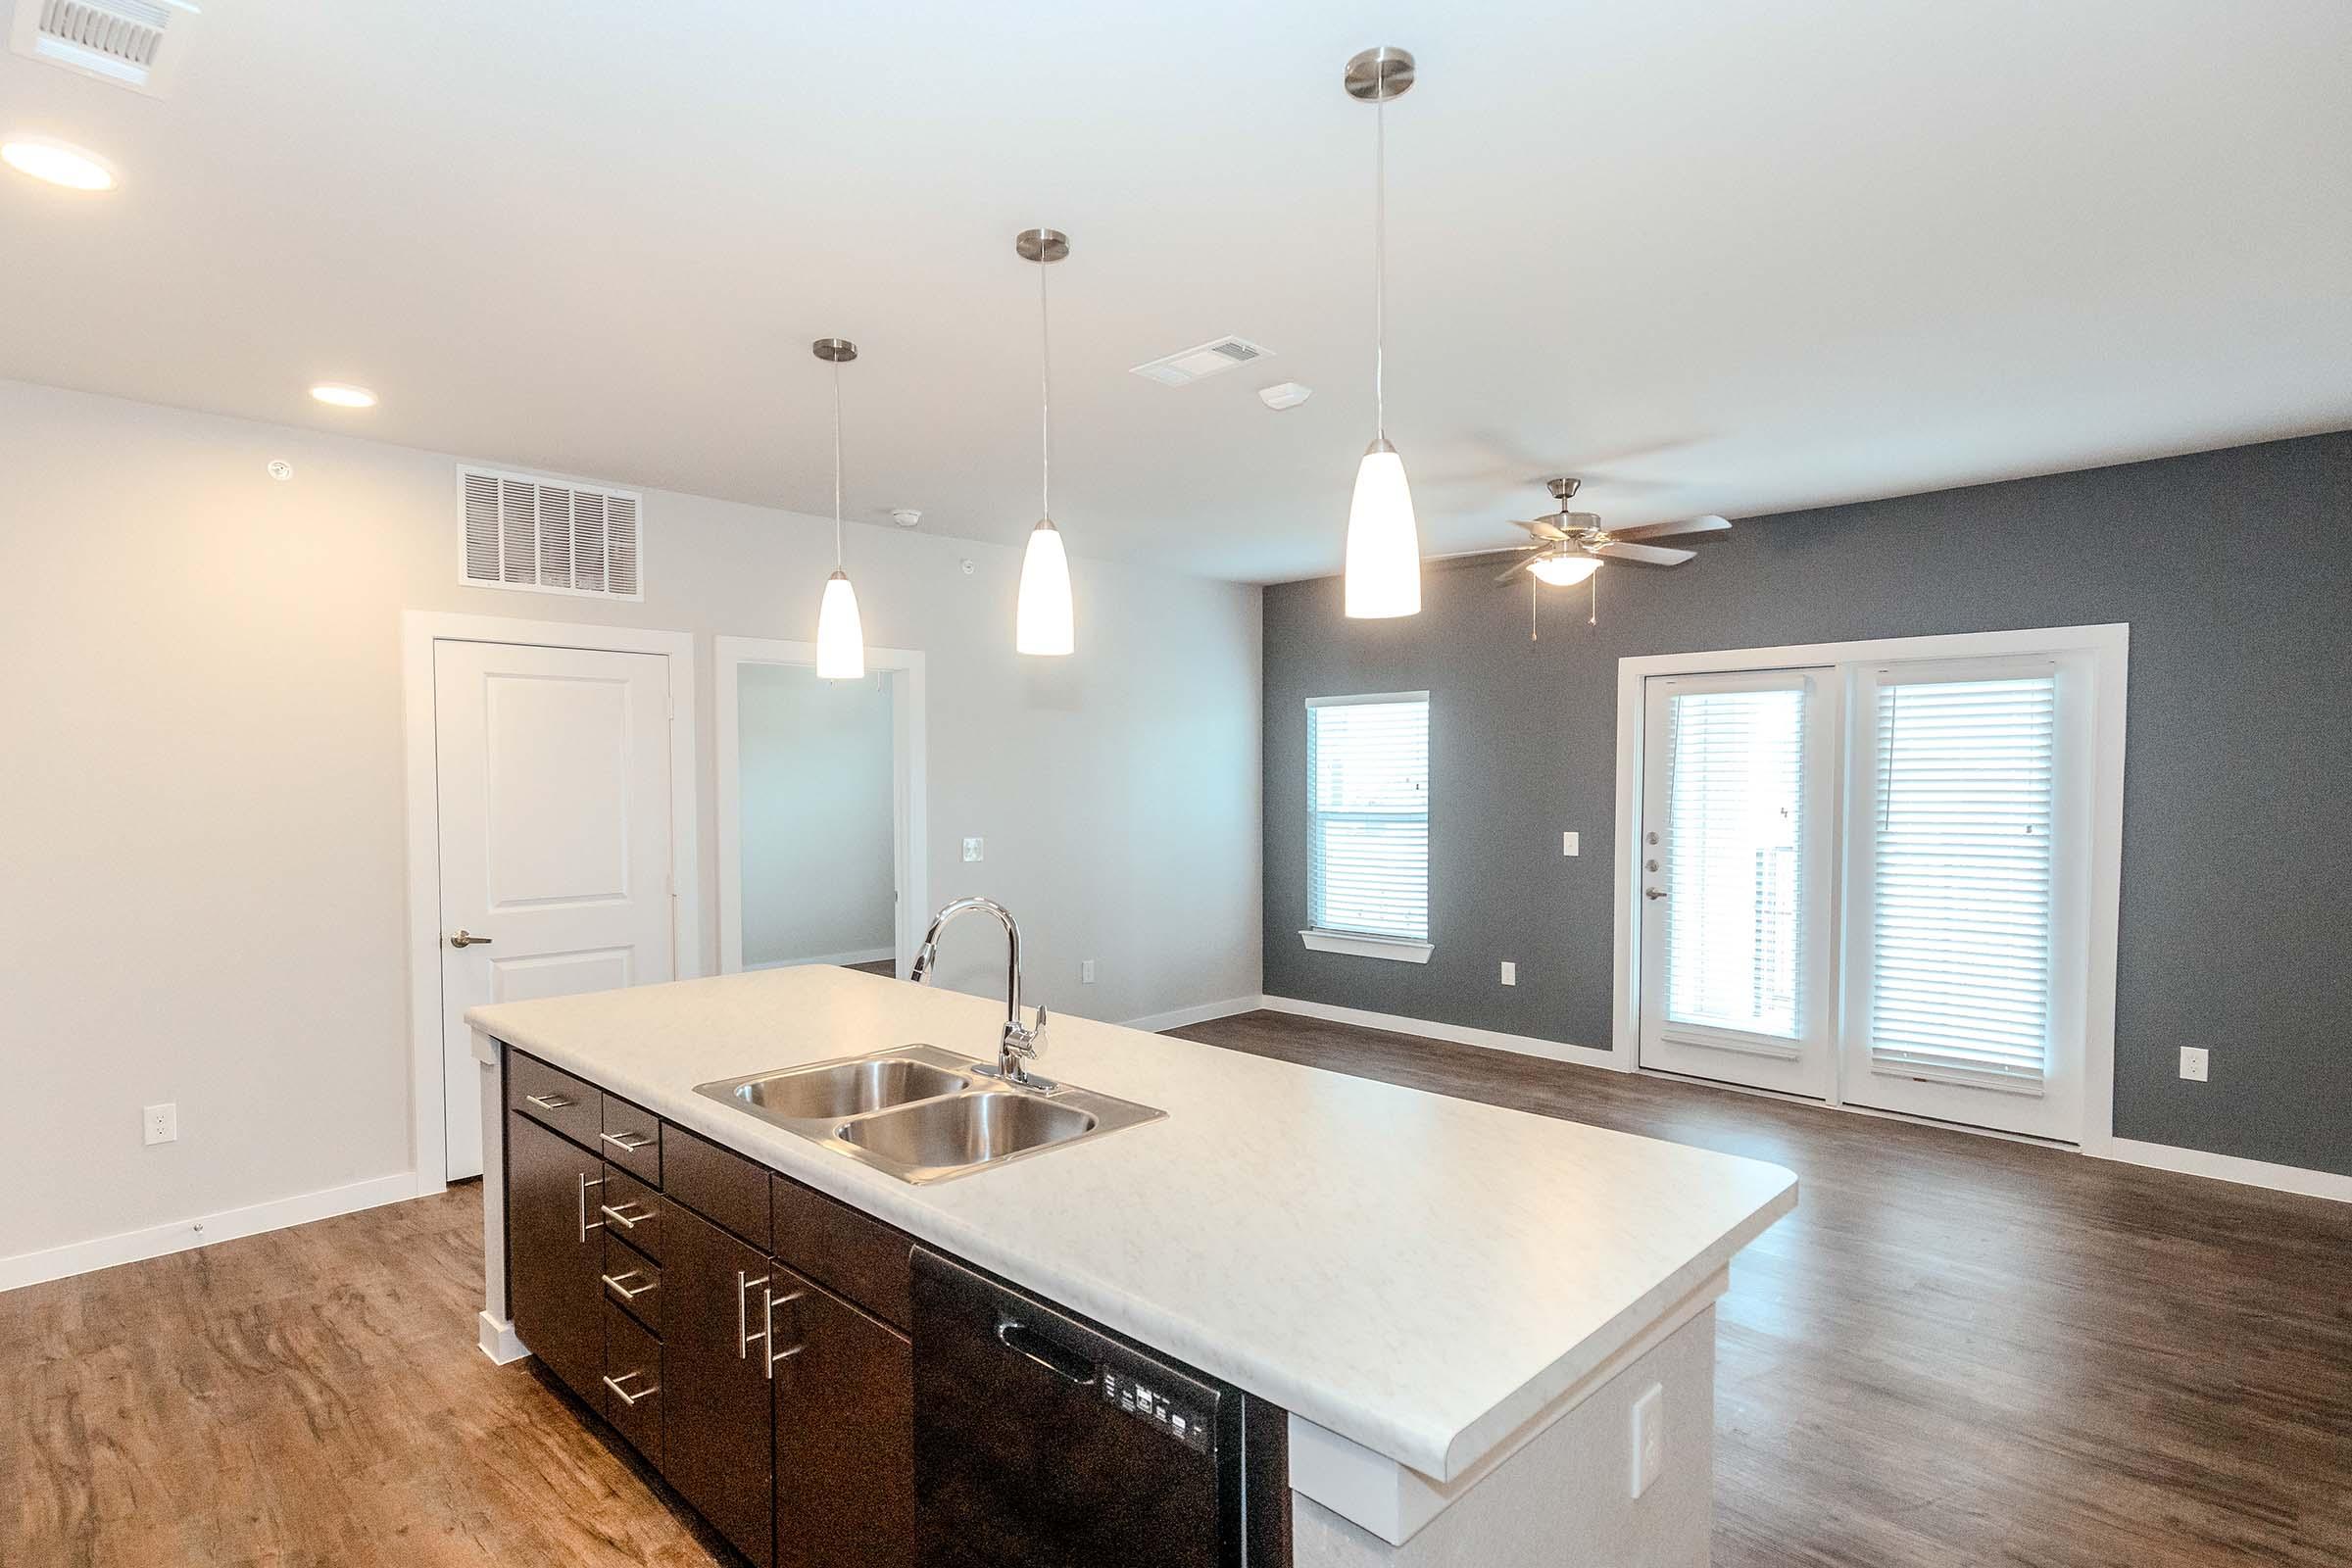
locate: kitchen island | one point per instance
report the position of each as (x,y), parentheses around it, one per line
(1470,1315)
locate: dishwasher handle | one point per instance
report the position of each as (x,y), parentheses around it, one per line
(1063,1364)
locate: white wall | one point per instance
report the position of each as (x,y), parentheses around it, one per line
(201,808)
(819,814)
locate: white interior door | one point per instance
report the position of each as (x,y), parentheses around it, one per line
(1968,863)
(554,794)
(1736,876)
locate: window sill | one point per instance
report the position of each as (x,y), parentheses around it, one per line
(1397,950)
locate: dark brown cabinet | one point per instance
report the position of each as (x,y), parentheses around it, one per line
(844,1433)
(555,1252)
(718,1450)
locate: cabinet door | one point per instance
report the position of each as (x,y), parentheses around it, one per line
(717,1448)
(845,1435)
(555,1252)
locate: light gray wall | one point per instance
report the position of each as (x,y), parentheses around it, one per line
(818,820)
(202,845)
(2234,570)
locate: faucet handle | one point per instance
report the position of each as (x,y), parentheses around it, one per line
(1037,1034)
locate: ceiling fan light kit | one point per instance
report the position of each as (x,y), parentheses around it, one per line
(1569,548)
(1384,543)
(839,634)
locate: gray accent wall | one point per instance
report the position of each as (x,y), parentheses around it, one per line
(2235,570)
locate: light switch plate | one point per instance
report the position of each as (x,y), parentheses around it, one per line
(161,1123)
(1510,973)
(971,850)
(1568,844)
(1086,971)
(2192,1063)
(1649,1438)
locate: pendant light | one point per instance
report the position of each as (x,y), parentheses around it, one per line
(1043,621)
(840,635)
(1384,547)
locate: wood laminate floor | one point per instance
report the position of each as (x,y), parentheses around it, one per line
(1957,1351)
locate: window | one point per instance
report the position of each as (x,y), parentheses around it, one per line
(1367,784)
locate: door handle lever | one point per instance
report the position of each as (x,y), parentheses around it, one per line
(1654,892)
(467,938)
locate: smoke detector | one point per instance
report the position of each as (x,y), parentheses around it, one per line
(1285,395)
(905,517)
(1201,360)
(132,44)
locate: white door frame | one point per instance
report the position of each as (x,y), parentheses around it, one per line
(420,630)
(2109,649)
(907,784)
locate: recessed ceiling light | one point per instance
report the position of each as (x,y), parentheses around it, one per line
(343,395)
(57,162)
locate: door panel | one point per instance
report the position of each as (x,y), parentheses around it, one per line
(553,786)
(1737,869)
(555,1252)
(718,1451)
(844,1436)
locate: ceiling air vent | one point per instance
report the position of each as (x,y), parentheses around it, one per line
(131,43)
(1207,359)
(540,536)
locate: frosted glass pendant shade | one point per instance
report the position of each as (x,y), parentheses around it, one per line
(1384,547)
(1043,622)
(1563,571)
(839,636)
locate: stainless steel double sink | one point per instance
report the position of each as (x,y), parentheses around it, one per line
(923,1114)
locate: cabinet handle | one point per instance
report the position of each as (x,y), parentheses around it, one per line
(585,1227)
(767,1331)
(743,1315)
(620,1141)
(549,1101)
(626,1221)
(613,1281)
(623,1394)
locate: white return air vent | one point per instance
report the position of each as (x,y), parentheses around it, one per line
(540,536)
(1202,359)
(137,44)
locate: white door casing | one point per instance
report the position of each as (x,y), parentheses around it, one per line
(554,795)
(1743,869)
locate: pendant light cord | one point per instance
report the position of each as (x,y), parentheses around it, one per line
(1379,267)
(836,464)
(1044,440)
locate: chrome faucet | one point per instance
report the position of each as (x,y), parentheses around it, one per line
(1021,1045)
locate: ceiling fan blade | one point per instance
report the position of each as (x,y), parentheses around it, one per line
(1541,527)
(1644,555)
(1661,530)
(1514,569)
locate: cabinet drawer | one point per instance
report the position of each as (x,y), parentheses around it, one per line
(632,1212)
(633,1389)
(554,1097)
(718,1184)
(633,1283)
(840,1248)
(631,1137)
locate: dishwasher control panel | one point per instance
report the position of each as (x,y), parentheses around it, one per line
(1188,1425)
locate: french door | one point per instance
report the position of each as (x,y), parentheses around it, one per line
(1736,877)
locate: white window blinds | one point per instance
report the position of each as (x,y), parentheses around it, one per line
(1961,919)
(1367,769)
(1735,860)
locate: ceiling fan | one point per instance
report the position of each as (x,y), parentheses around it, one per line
(1569,547)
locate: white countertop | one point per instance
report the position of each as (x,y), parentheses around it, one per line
(1418,1274)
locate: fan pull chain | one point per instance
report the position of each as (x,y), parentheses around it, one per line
(1592,616)
(1534,593)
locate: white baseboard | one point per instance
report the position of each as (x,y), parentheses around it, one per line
(129,1246)
(1457,1034)
(1199,1013)
(2231,1169)
(497,1338)
(845,959)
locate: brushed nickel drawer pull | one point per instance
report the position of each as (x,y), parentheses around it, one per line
(767,1329)
(624,1396)
(615,1282)
(551,1101)
(627,1221)
(585,1226)
(743,1315)
(620,1141)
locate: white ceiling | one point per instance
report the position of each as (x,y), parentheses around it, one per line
(1719,258)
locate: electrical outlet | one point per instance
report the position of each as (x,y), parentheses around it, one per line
(1510,973)
(1648,1437)
(971,850)
(1086,971)
(2192,1063)
(161,1123)
(1568,844)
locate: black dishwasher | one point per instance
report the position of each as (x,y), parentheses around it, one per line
(1043,1442)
